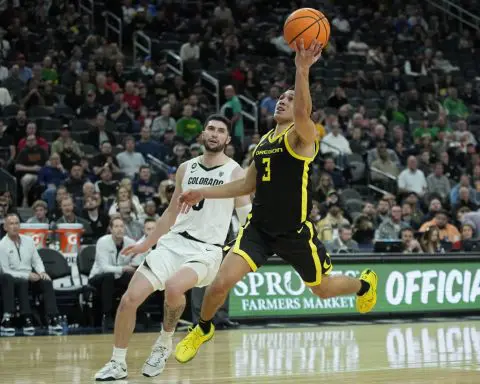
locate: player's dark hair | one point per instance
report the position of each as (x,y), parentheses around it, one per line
(218,117)
(149,220)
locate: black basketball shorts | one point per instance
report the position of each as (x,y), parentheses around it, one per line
(301,249)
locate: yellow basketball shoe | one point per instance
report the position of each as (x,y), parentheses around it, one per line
(189,346)
(367,301)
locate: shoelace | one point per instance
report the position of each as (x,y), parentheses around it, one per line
(192,340)
(111,365)
(158,354)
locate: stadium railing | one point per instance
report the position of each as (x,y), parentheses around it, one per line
(456,11)
(113,26)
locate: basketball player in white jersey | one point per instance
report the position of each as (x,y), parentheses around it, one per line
(187,255)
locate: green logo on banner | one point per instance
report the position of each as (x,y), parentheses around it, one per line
(277,290)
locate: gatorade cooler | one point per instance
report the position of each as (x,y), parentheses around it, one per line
(69,236)
(38,232)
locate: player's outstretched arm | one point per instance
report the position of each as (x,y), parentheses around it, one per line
(302,101)
(241,187)
(164,223)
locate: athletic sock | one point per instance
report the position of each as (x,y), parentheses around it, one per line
(165,335)
(119,355)
(364,289)
(205,325)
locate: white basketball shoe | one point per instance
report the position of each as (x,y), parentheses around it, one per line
(155,364)
(113,370)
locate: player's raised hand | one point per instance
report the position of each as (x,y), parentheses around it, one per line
(306,57)
(188,199)
(135,249)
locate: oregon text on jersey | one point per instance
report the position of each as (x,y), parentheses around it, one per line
(283,191)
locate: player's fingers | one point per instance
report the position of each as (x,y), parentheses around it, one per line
(302,45)
(295,46)
(313,46)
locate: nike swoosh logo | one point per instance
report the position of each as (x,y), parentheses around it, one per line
(326,265)
(300,230)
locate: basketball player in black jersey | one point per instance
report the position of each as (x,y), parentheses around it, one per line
(278,223)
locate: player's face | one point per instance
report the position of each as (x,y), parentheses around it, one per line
(215,136)
(284,107)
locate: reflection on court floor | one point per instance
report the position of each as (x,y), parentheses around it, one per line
(374,353)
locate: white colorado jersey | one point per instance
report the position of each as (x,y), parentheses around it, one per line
(209,220)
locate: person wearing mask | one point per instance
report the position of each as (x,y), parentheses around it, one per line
(23,270)
(111,271)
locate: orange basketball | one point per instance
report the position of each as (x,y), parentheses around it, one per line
(307,24)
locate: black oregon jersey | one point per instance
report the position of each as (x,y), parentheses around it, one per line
(283,197)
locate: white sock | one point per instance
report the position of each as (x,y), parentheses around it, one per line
(165,335)
(119,355)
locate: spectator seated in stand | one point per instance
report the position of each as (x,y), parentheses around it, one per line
(111,272)
(130,161)
(28,164)
(22,270)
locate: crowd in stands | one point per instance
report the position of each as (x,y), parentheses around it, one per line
(80,122)
(88,135)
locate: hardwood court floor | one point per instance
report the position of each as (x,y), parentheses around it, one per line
(446,352)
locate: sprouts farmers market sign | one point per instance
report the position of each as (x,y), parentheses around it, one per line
(277,290)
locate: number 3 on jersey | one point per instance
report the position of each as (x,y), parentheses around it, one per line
(266,174)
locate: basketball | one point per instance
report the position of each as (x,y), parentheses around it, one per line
(307,24)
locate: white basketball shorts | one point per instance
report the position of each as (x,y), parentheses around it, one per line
(173,252)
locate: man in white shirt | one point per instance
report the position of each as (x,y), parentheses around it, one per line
(356,46)
(341,24)
(190,51)
(111,270)
(335,142)
(129,160)
(22,269)
(412,179)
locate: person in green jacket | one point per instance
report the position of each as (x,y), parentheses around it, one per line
(235,109)
(454,105)
(188,127)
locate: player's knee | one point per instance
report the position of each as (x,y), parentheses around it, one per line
(129,302)
(220,286)
(173,290)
